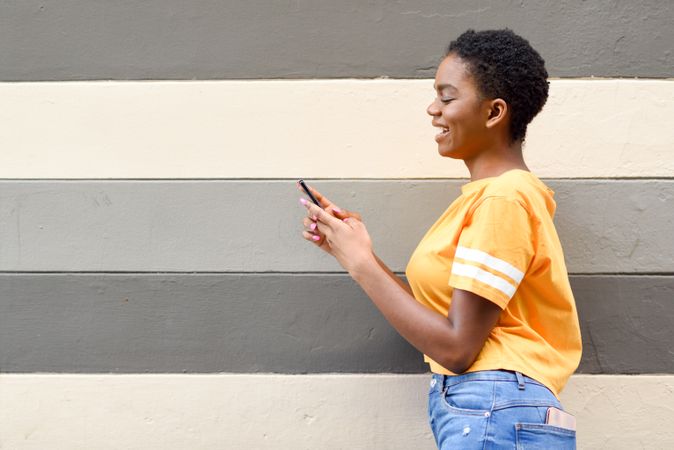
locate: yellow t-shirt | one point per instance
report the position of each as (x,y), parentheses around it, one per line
(498,241)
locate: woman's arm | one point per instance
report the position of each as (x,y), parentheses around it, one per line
(453,341)
(333,209)
(393,276)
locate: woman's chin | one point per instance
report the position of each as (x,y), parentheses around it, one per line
(448,152)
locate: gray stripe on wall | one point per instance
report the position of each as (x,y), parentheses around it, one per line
(626,323)
(81,39)
(199,323)
(606,226)
(92,323)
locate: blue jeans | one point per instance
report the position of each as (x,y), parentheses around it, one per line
(493,409)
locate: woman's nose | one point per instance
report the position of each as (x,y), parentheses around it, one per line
(432,109)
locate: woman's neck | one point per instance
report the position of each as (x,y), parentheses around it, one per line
(495,161)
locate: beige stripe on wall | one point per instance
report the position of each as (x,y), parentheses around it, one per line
(268,411)
(312,128)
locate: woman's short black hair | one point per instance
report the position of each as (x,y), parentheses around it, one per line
(504,65)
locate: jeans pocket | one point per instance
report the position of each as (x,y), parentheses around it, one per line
(535,436)
(471,399)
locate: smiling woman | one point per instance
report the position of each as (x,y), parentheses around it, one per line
(488,301)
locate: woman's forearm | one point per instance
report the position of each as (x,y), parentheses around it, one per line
(393,276)
(426,330)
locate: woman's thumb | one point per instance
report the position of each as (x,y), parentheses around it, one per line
(339,213)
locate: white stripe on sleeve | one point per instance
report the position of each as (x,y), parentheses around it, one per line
(483,276)
(486,259)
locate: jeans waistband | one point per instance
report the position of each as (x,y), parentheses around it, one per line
(444,381)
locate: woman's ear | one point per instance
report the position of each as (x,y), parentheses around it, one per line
(497,111)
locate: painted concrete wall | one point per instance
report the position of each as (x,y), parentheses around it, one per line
(190,129)
(154,288)
(205,39)
(272,411)
(255,322)
(251,225)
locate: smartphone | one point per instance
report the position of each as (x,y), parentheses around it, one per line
(560,418)
(308,192)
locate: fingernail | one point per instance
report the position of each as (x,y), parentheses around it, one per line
(312,226)
(314,217)
(345,219)
(303,201)
(337,210)
(316,238)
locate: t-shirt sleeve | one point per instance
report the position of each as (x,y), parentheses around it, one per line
(494,250)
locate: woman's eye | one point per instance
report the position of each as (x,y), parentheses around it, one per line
(446,100)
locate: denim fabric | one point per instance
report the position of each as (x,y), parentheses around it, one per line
(494,409)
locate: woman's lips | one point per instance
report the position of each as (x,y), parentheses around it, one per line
(441,135)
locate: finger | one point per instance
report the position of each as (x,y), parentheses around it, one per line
(311,237)
(322,199)
(337,212)
(326,203)
(324,231)
(329,206)
(304,202)
(349,221)
(342,213)
(309,224)
(321,215)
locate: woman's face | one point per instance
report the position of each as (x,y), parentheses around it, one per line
(458,111)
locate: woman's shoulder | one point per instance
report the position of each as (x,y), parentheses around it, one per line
(520,186)
(516,184)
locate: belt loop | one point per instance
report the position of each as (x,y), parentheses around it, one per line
(520,380)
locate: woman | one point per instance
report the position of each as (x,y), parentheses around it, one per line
(488,301)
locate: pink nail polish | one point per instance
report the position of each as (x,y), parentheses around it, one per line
(302,201)
(312,226)
(316,238)
(337,210)
(315,218)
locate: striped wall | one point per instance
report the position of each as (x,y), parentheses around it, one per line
(279,129)
(155,292)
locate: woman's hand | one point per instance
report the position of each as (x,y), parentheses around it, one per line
(330,206)
(311,233)
(346,239)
